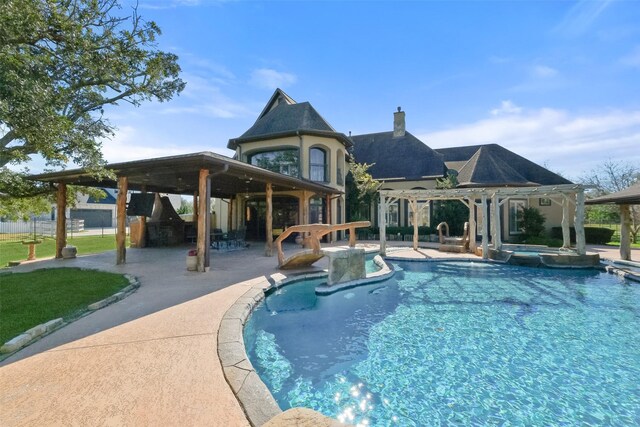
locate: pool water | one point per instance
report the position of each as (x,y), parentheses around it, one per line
(369,265)
(456,344)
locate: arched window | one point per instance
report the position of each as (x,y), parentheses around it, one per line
(317,165)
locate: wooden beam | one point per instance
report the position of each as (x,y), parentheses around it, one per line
(268,247)
(328,220)
(121,220)
(142,240)
(578,223)
(230,214)
(413,203)
(625,232)
(203,227)
(497,226)
(382,225)
(472,225)
(485,228)
(566,235)
(61,219)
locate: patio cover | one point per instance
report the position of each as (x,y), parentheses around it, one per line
(179,175)
(623,198)
(628,196)
(205,174)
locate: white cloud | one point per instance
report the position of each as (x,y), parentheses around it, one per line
(268,78)
(205,98)
(567,142)
(580,17)
(543,71)
(130,144)
(632,59)
(506,107)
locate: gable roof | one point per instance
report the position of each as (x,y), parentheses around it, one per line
(403,157)
(276,99)
(283,117)
(628,196)
(529,171)
(486,169)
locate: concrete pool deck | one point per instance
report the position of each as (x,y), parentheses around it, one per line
(151,358)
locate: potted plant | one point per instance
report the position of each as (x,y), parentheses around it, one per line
(192,260)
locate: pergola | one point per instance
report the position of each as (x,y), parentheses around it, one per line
(563,195)
(624,199)
(203,175)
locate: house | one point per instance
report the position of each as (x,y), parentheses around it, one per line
(292,139)
(402,162)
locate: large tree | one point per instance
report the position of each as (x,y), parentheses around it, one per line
(61,63)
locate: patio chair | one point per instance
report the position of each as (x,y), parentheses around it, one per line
(217,239)
(240,237)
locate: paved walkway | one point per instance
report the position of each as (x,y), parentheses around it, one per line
(149,359)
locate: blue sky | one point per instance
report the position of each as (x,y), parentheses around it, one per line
(555,81)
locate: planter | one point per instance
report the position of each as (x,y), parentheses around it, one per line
(69,252)
(192,262)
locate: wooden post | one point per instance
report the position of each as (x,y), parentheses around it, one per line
(142,236)
(485,228)
(579,223)
(121,220)
(230,214)
(61,219)
(625,233)
(566,235)
(413,203)
(194,218)
(268,247)
(203,227)
(328,220)
(497,235)
(304,219)
(382,225)
(472,224)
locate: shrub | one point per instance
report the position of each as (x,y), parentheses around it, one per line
(532,222)
(592,235)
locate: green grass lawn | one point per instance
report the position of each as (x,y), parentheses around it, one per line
(28,299)
(16,251)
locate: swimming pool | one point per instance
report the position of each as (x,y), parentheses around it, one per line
(456,343)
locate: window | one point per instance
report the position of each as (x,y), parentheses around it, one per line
(283,161)
(316,210)
(393,215)
(340,168)
(423,214)
(317,165)
(515,206)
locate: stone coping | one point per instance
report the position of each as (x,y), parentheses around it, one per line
(39,331)
(624,273)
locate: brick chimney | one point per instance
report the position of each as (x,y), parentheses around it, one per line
(398,123)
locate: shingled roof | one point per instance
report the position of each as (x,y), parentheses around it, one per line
(628,196)
(499,166)
(403,157)
(283,117)
(485,169)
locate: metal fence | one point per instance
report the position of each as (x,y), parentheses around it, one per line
(35,229)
